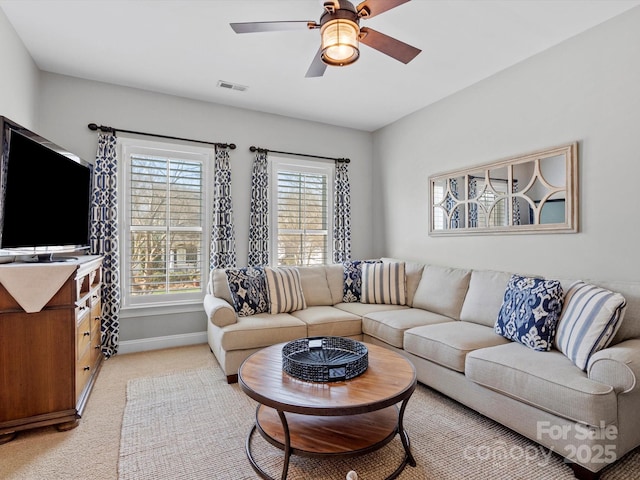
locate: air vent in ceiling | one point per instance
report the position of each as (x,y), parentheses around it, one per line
(231,86)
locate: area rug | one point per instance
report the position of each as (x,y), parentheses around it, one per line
(192,425)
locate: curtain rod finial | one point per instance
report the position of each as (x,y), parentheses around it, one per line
(102,128)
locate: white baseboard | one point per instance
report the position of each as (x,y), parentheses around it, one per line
(156,343)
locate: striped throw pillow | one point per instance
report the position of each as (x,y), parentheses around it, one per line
(285,290)
(590,319)
(383,283)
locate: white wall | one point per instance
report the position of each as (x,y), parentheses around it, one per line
(586,89)
(19,78)
(67,105)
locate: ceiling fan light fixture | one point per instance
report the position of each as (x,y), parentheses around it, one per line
(340,42)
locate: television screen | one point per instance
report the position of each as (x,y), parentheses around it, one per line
(46,196)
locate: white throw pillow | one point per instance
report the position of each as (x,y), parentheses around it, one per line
(590,318)
(383,283)
(285,290)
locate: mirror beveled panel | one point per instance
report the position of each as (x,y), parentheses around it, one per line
(536,192)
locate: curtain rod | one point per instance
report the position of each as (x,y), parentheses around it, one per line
(102,128)
(265,150)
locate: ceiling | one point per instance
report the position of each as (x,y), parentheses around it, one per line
(185,47)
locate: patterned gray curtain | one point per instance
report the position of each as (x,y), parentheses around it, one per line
(455,218)
(259,215)
(342,214)
(104,238)
(473,207)
(223,238)
(516,205)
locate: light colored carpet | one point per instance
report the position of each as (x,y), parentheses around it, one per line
(438,427)
(192,425)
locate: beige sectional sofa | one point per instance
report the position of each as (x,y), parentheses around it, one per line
(446,328)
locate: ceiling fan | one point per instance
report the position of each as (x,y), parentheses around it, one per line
(341,33)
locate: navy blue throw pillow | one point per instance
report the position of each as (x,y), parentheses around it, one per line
(530,311)
(248,288)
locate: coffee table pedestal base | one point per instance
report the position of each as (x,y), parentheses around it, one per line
(329,436)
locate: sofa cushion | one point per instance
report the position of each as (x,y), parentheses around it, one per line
(335,280)
(449,343)
(362,309)
(329,321)
(352,284)
(248,288)
(261,330)
(383,283)
(219,285)
(412,274)
(546,380)
(590,319)
(442,290)
(285,290)
(389,326)
(484,297)
(315,286)
(530,311)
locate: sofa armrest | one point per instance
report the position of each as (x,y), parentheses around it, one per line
(618,366)
(219,312)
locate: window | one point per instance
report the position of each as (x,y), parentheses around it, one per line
(302,212)
(164,211)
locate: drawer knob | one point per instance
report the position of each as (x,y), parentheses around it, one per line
(86,334)
(86,369)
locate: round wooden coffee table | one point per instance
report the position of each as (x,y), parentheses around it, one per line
(343,418)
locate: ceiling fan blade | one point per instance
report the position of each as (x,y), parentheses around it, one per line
(371,8)
(317,67)
(401,51)
(256,27)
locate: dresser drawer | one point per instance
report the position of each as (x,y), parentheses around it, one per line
(83,334)
(83,371)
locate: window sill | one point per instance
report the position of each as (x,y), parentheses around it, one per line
(166,309)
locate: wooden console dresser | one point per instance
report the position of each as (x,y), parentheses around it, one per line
(49,358)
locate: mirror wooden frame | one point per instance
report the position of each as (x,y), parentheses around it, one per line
(469,201)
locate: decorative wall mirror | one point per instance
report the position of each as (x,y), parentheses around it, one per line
(536,192)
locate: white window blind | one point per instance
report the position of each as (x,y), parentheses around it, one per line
(166,225)
(303,214)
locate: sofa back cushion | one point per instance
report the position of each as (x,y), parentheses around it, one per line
(412,275)
(315,286)
(383,283)
(335,280)
(484,297)
(219,285)
(442,290)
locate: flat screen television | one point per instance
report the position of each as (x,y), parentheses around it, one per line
(45,195)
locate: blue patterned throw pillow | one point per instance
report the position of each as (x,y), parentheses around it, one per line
(352,289)
(530,311)
(248,287)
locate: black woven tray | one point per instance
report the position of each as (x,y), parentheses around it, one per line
(325,359)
